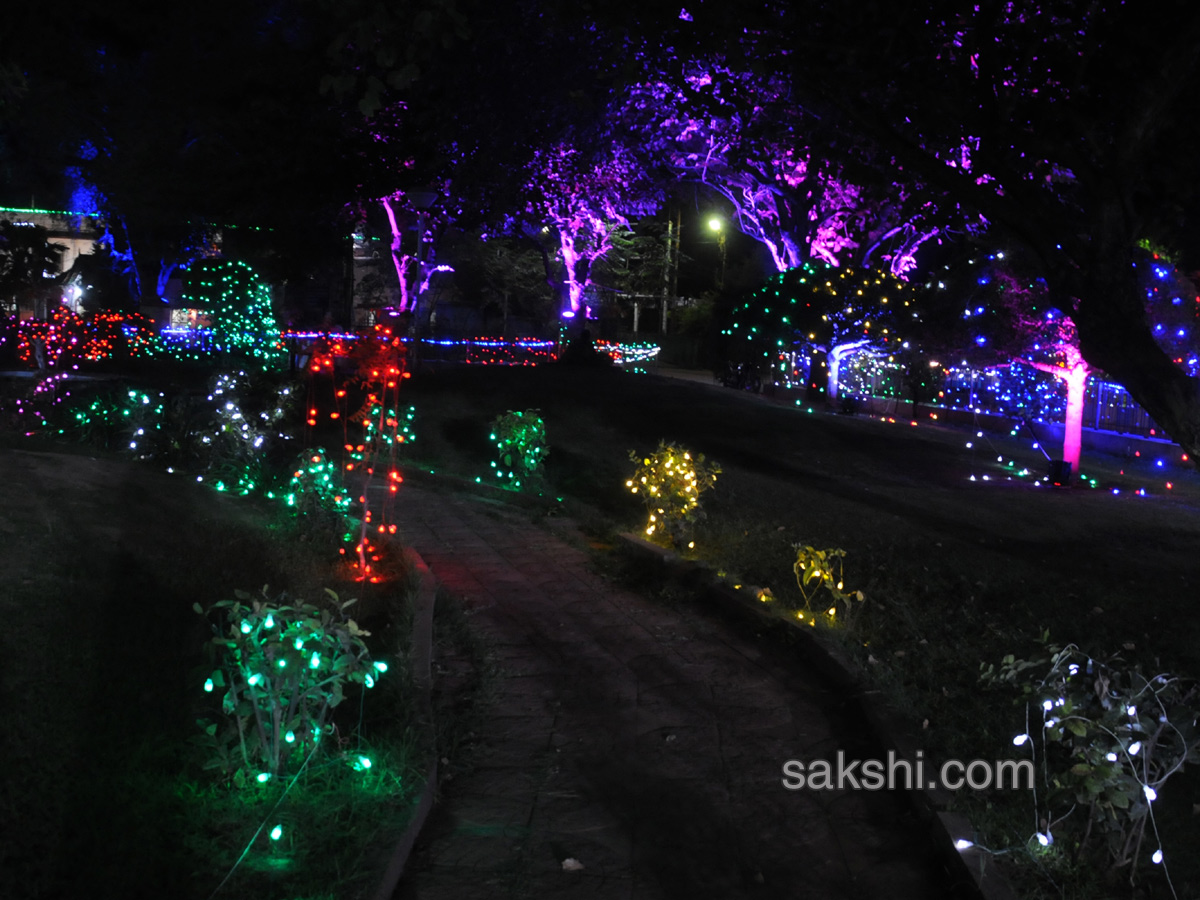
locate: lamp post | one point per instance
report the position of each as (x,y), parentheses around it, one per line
(717,224)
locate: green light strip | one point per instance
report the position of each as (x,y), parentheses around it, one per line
(47,212)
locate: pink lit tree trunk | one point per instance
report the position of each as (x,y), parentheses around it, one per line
(1075,374)
(400,259)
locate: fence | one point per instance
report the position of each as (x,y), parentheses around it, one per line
(1014,392)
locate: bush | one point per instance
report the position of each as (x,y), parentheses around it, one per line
(520,447)
(1110,738)
(671,482)
(282,668)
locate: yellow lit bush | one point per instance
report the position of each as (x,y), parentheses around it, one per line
(820,584)
(670,482)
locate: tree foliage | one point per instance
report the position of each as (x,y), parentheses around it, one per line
(26,256)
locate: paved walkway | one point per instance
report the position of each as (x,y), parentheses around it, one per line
(641,740)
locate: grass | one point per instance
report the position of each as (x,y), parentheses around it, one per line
(956,572)
(100,674)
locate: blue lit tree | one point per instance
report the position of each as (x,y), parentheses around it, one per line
(1010,320)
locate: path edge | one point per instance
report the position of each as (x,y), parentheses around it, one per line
(421,655)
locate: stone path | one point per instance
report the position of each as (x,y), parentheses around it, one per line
(641,740)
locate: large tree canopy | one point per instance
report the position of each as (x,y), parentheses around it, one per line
(1069,127)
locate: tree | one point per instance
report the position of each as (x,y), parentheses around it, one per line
(1008,319)
(726,117)
(97,278)
(1067,126)
(503,273)
(575,204)
(26,256)
(238,306)
(836,312)
(415,261)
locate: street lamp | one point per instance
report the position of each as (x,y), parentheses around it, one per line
(717,224)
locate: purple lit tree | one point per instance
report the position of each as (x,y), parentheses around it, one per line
(415,260)
(574,206)
(734,126)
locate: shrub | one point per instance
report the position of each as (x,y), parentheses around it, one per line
(671,482)
(283,666)
(1110,738)
(520,447)
(814,570)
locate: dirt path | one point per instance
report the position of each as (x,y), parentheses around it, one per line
(641,740)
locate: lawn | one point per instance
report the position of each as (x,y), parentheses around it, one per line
(956,572)
(101,562)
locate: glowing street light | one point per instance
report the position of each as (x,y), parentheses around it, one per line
(717,224)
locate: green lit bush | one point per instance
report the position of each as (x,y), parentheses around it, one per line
(281,668)
(520,447)
(670,482)
(316,486)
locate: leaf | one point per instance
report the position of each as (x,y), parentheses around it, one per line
(1076,727)
(198,608)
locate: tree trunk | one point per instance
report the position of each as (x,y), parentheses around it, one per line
(1073,421)
(1115,337)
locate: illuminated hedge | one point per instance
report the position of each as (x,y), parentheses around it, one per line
(238,304)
